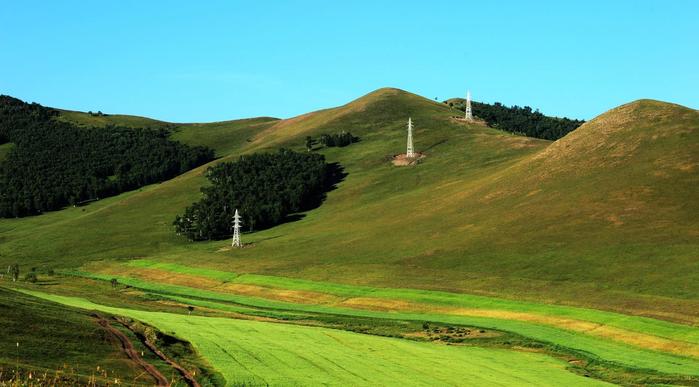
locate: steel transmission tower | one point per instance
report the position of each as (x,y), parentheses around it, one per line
(236,229)
(469,115)
(411,151)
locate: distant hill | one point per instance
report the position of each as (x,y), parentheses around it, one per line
(603,217)
(519,120)
(99,119)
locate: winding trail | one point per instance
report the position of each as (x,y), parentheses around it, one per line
(131,352)
(185,374)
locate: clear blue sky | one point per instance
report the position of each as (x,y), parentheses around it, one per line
(189,61)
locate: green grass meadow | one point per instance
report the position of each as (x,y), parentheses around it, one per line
(601,348)
(260,353)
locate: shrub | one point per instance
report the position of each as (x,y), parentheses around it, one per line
(31,277)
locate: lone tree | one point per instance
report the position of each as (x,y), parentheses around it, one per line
(14,272)
(190,309)
(114,283)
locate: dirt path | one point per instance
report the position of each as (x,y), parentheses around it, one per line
(185,374)
(131,352)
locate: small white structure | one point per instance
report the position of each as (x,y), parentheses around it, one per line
(469,115)
(411,151)
(236,229)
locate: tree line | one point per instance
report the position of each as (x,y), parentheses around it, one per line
(265,188)
(56,163)
(520,120)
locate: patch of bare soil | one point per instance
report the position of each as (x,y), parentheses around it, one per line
(229,248)
(403,160)
(462,120)
(449,334)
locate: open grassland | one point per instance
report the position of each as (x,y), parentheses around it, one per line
(632,342)
(254,352)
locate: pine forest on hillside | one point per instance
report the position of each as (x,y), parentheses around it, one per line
(54,163)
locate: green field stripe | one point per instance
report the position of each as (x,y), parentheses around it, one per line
(256,352)
(604,349)
(649,326)
(591,347)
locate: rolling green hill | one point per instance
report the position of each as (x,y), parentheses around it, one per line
(586,244)
(485,212)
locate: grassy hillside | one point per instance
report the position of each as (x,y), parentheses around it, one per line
(224,137)
(53,337)
(601,218)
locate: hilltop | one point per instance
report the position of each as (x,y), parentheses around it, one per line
(602,217)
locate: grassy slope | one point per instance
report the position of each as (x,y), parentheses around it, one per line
(52,336)
(267,353)
(224,137)
(486,212)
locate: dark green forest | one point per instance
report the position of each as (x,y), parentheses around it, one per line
(519,120)
(55,163)
(265,188)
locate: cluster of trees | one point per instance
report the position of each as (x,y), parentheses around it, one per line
(338,139)
(55,163)
(264,187)
(521,120)
(32,276)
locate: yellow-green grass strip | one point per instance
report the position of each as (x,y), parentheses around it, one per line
(650,326)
